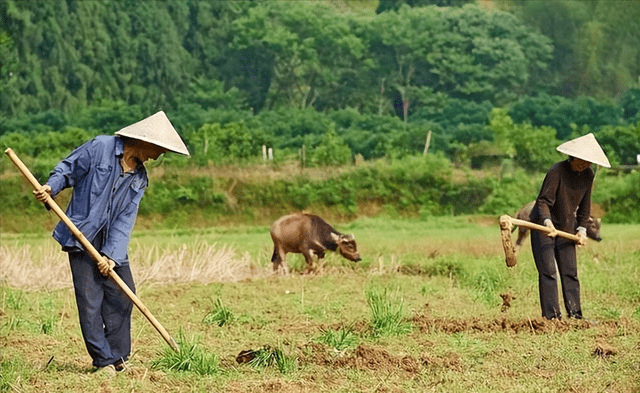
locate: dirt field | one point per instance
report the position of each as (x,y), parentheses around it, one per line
(465,322)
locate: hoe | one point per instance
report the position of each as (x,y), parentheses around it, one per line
(92,251)
(506,222)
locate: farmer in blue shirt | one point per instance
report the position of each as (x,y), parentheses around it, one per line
(108,179)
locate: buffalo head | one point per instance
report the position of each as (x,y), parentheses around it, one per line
(593,229)
(347,246)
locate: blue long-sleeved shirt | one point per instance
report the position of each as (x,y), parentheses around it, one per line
(104,197)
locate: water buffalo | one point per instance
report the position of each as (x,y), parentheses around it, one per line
(308,235)
(593,230)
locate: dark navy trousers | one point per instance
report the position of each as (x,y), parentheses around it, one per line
(103,308)
(547,252)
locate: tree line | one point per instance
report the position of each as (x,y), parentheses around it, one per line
(293,73)
(492,83)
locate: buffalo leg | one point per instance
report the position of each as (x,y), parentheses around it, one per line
(277,259)
(522,233)
(308,257)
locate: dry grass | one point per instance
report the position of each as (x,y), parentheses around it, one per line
(34,268)
(200,262)
(45,267)
(257,173)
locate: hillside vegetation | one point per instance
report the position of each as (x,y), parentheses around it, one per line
(346,94)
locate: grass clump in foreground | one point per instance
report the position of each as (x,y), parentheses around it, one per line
(341,339)
(386,313)
(268,356)
(219,315)
(190,357)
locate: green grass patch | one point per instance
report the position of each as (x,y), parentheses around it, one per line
(190,357)
(341,339)
(423,312)
(274,357)
(219,315)
(386,310)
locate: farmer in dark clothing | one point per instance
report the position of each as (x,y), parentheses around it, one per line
(108,179)
(564,203)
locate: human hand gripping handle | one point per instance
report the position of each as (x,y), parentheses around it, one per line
(105,265)
(582,234)
(553,232)
(43,193)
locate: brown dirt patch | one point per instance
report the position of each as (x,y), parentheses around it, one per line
(604,350)
(535,326)
(319,354)
(451,360)
(506,301)
(370,358)
(271,386)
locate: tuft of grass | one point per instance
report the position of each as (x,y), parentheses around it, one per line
(268,356)
(12,323)
(636,313)
(13,299)
(486,283)
(219,315)
(48,324)
(13,375)
(386,313)
(341,339)
(190,357)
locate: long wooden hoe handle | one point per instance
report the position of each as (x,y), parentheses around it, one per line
(542,228)
(92,251)
(506,223)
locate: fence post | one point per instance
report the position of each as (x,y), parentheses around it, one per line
(426,145)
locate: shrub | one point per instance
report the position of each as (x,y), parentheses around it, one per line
(620,197)
(232,142)
(509,193)
(332,150)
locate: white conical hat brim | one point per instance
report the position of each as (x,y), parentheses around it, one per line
(585,148)
(156,129)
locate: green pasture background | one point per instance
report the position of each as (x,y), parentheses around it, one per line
(438,269)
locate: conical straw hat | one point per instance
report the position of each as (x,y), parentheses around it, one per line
(586,148)
(156,129)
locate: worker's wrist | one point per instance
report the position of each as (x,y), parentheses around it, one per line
(548,221)
(582,231)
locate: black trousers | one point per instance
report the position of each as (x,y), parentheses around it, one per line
(547,253)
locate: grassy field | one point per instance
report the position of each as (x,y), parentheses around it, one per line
(432,307)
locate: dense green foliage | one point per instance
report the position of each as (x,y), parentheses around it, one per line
(494,84)
(67,55)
